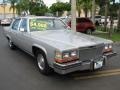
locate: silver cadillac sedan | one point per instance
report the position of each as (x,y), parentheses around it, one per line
(56,47)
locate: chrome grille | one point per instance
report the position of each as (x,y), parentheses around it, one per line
(91,52)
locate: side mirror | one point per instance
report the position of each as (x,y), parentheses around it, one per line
(22,30)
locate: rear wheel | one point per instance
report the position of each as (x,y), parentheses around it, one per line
(11,45)
(89,31)
(42,63)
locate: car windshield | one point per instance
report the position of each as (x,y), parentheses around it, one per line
(41,24)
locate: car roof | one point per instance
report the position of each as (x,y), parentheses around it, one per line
(32,16)
(82,18)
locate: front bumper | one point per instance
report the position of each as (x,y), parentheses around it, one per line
(77,66)
(110,54)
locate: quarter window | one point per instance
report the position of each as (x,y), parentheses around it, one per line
(24,24)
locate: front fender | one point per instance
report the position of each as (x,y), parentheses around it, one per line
(40,47)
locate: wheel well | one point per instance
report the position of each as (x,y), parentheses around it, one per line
(35,49)
(7,38)
(92,29)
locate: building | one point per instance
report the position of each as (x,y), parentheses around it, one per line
(5,11)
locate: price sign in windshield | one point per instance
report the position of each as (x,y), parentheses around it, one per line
(37,24)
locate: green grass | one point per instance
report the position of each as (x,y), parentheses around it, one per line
(114,37)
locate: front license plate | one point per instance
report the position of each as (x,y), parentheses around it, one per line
(98,64)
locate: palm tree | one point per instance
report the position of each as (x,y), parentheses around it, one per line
(36,6)
(13,5)
(86,5)
(19,8)
(23,6)
(78,5)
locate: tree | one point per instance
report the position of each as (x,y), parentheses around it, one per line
(13,5)
(33,7)
(18,8)
(86,5)
(60,7)
(118,26)
(37,8)
(78,6)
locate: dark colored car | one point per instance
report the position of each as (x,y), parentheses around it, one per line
(84,25)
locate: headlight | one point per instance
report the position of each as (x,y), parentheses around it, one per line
(73,53)
(108,48)
(58,55)
(66,56)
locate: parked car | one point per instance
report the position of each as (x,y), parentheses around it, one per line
(6,21)
(84,25)
(97,19)
(57,48)
(103,20)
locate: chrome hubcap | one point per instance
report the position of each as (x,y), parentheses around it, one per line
(41,61)
(10,43)
(89,31)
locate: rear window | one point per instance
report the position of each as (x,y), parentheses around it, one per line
(41,24)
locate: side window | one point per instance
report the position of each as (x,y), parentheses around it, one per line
(24,24)
(59,24)
(79,20)
(15,24)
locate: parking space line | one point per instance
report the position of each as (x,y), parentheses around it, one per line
(97,76)
(98,72)
(91,75)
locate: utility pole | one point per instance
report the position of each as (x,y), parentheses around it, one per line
(106,14)
(93,11)
(118,26)
(73,13)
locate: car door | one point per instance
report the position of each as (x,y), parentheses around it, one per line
(79,25)
(14,31)
(24,36)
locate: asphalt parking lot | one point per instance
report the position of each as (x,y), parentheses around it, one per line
(18,71)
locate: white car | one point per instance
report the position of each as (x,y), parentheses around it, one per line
(103,20)
(6,21)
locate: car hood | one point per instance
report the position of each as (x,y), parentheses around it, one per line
(67,39)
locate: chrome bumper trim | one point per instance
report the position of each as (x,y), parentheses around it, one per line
(110,54)
(75,66)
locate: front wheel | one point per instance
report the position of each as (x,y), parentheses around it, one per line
(42,63)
